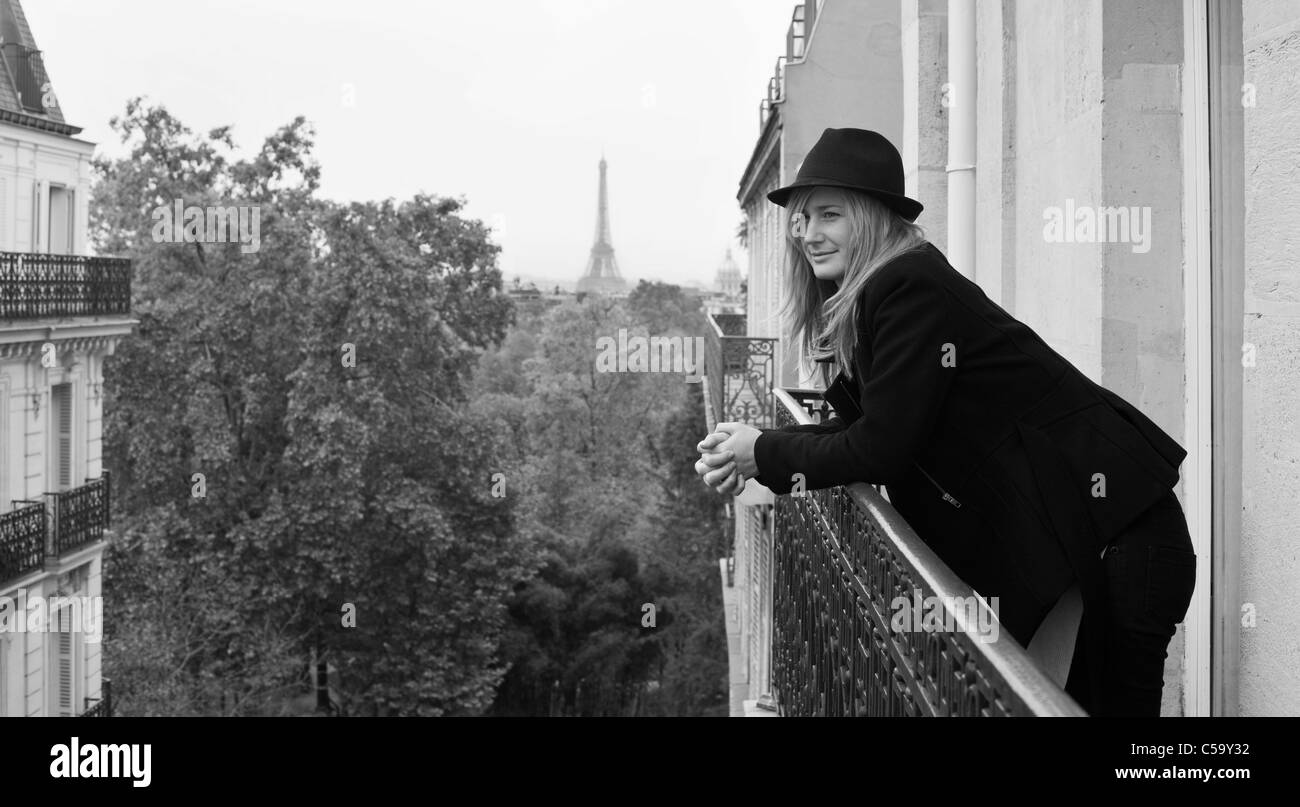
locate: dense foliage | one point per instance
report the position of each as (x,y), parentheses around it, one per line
(349,423)
(607,489)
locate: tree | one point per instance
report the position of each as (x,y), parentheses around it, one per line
(665,310)
(605,463)
(319,385)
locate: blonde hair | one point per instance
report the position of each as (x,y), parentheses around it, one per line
(822,317)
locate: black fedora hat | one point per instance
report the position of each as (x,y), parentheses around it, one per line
(857,159)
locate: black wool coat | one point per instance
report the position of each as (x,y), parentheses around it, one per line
(1010,463)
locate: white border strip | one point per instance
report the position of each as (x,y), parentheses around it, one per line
(1197,475)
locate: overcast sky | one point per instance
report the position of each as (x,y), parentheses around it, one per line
(508,103)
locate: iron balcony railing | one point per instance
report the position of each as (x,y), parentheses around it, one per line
(38,285)
(22,540)
(738,372)
(775,92)
(80,515)
(796,34)
(103,705)
(64,522)
(28,69)
(842,557)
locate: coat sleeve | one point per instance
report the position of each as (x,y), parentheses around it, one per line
(832,424)
(916,351)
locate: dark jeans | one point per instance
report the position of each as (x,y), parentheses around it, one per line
(1150,572)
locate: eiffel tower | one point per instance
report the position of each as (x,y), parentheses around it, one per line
(602,276)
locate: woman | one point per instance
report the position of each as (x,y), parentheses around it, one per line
(1025,477)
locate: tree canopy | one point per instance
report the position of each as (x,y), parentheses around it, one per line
(318,387)
(347,448)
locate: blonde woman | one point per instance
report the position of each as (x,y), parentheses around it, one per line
(1027,478)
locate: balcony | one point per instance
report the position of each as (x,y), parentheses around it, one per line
(103,705)
(738,373)
(840,557)
(37,285)
(79,515)
(64,523)
(815,578)
(22,540)
(775,92)
(796,36)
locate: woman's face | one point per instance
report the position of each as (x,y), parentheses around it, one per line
(827,235)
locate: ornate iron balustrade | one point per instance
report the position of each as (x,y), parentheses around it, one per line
(80,515)
(104,704)
(22,540)
(842,556)
(36,285)
(739,370)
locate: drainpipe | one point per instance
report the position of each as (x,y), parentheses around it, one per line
(961,137)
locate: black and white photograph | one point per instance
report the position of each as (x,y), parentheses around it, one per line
(612,358)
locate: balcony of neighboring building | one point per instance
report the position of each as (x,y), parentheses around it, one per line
(42,536)
(37,285)
(45,297)
(738,373)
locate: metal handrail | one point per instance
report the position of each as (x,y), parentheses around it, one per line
(841,556)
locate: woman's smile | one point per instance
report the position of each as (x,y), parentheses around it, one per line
(827,262)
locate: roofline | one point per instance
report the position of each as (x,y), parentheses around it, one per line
(22,118)
(33,122)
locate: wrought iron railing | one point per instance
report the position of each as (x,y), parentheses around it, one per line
(38,285)
(797,34)
(80,515)
(775,92)
(842,557)
(103,705)
(28,69)
(739,372)
(22,540)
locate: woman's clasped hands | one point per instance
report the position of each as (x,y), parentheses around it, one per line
(727,458)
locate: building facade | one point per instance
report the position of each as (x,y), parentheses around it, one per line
(1117,175)
(62,314)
